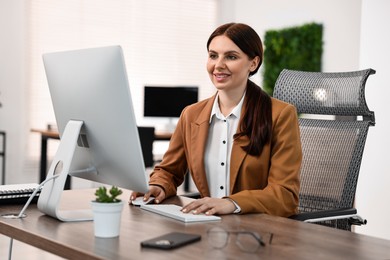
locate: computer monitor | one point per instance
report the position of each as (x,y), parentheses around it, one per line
(165,101)
(168,101)
(95,118)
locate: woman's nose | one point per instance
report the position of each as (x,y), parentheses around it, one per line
(220,63)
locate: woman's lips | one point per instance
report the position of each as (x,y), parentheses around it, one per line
(221,76)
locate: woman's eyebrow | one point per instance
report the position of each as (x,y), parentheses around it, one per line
(232,52)
(227,52)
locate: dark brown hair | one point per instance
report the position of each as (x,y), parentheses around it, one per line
(256,122)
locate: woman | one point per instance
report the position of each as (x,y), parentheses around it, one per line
(241,147)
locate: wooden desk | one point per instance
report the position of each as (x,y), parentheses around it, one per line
(292,239)
(53,134)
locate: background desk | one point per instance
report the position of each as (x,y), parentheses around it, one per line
(52,134)
(292,239)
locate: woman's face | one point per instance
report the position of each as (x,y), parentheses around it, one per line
(227,65)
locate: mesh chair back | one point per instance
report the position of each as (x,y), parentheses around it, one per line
(333,147)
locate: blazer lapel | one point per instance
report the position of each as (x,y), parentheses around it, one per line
(238,154)
(199,133)
(237,157)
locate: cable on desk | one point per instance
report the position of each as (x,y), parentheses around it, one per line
(21,213)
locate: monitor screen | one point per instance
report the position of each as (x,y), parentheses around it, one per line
(89,88)
(164,101)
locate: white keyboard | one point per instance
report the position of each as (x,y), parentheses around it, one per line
(174,211)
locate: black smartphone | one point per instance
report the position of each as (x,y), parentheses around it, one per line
(171,240)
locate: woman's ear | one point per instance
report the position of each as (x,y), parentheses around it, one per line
(254,64)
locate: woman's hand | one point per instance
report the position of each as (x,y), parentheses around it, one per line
(210,206)
(155,191)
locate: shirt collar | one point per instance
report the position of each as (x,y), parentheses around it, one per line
(217,112)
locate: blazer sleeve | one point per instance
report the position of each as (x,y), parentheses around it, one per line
(169,174)
(280,194)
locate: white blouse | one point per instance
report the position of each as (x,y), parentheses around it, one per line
(219,147)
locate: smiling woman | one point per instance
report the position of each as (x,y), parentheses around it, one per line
(241,146)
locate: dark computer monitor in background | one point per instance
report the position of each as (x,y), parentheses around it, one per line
(95,118)
(168,101)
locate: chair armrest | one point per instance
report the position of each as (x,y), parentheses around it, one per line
(333,214)
(324,213)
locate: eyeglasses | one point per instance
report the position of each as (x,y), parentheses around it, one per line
(247,241)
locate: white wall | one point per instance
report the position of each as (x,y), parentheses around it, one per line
(373,190)
(341,20)
(12,83)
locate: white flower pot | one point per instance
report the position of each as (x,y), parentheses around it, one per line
(107,218)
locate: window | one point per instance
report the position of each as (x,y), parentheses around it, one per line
(164,43)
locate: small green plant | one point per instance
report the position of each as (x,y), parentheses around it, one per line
(108,197)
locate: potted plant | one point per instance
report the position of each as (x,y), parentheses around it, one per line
(107,210)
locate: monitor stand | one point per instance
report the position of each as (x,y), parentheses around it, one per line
(50,197)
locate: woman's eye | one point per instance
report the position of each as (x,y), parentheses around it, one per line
(212,56)
(231,57)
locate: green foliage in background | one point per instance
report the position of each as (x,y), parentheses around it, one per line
(296,48)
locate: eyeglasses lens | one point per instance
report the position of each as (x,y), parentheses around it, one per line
(217,238)
(247,242)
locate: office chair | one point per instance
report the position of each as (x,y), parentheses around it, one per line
(333,145)
(146,136)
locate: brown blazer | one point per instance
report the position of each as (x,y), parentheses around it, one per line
(265,184)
